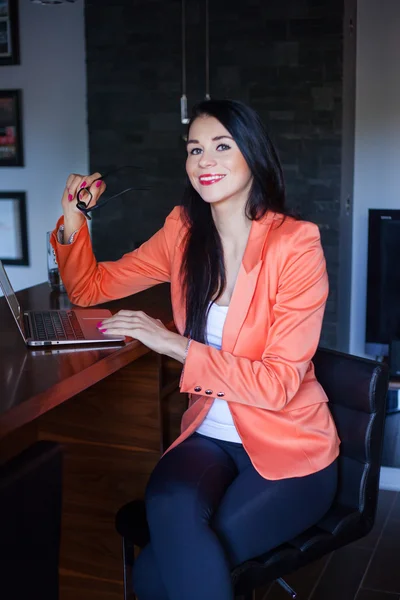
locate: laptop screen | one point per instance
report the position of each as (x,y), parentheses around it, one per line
(9,293)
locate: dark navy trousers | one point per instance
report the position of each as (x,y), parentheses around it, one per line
(209,510)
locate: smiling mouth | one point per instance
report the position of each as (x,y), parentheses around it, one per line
(210,179)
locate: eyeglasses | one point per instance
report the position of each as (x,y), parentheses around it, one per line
(112,179)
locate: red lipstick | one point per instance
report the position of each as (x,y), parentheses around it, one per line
(210,178)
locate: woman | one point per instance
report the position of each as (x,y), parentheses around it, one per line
(256,461)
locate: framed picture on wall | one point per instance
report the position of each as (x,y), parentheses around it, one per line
(9,32)
(11,154)
(13,229)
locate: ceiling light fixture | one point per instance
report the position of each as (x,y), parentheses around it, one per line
(52,1)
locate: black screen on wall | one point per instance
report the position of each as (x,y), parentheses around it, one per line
(383,280)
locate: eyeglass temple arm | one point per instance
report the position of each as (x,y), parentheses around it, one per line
(103,202)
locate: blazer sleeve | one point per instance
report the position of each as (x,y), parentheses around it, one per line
(292,340)
(89,282)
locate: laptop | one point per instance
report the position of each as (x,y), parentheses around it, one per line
(56,327)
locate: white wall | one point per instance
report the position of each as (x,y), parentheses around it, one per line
(52,77)
(377,148)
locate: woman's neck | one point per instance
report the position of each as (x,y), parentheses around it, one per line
(231,222)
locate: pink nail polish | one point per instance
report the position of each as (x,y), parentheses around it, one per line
(98,183)
(83,184)
(99,324)
(70,197)
(103,330)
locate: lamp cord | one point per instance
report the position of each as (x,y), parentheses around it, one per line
(207,46)
(184,47)
(184,113)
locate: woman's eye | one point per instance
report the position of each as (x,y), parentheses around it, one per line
(223,147)
(195,151)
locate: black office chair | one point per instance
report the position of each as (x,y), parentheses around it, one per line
(30,523)
(356,389)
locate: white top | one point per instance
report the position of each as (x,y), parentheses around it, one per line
(218,422)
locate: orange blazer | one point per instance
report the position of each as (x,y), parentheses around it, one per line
(264,369)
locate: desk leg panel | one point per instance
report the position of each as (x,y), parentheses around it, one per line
(111,435)
(92,589)
(15,442)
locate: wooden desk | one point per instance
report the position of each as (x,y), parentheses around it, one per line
(114,409)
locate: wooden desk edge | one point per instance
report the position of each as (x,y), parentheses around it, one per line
(34,407)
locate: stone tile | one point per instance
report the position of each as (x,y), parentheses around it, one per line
(343,575)
(383,572)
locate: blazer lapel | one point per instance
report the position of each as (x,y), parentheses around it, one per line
(246,281)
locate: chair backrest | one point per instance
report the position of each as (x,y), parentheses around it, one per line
(357,390)
(30,522)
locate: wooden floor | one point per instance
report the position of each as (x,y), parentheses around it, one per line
(368,569)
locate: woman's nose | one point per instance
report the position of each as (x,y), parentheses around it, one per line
(207,159)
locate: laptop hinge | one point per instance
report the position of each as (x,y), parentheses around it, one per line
(27,327)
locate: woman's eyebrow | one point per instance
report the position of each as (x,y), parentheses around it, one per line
(221,137)
(214,139)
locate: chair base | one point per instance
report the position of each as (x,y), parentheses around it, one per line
(128,552)
(248,596)
(287,587)
(251,595)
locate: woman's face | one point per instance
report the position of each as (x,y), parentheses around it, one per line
(215,166)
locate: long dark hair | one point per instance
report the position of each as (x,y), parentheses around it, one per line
(203,269)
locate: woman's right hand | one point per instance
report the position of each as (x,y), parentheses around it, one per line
(73,218)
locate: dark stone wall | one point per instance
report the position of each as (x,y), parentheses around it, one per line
(283,58)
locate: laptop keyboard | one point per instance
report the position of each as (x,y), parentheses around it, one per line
(56,325)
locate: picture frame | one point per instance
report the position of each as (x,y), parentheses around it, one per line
(9,32)
(11,148)
(13,229)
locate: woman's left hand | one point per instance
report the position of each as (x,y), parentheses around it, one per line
(151,332)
